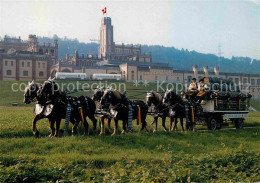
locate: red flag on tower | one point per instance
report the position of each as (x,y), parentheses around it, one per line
(104,10)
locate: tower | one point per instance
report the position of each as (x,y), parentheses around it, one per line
(33,43)
(106,38)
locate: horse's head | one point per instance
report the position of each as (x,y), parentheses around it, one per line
(168,97)
(108,98)
(30,92)
(98,93)
(153,98)
(48,88)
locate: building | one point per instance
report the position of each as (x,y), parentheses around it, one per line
(109,50)
(26,60)
(132,64)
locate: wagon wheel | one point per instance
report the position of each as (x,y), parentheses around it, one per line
(239,123)
(212,123)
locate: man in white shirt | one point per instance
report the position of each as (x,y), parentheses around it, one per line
(193,86)
(203,86)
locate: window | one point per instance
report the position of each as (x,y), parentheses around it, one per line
(231,79)
(244,80)
(41,51)
(6,63)
(8,72)
(25,73)
(41,74)
(28,64)
(237,80)
(189,78)
(133,75)
(141,77)
(258,81)
(12,63)
(43,65)
(39,65)
(166,78)
(22,64)
(156,78)
(252,81)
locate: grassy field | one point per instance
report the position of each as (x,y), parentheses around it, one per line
(202,156)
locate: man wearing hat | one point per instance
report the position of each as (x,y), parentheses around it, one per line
(203,86)
(193,86)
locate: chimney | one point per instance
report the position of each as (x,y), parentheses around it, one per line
(206,71)
(216,70)
(195,71)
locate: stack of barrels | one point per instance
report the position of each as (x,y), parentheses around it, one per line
(227,95)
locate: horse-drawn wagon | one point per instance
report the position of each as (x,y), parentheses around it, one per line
(224,103)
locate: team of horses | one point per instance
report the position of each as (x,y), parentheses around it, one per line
(107,104)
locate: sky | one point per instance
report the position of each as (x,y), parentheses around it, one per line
(199,25)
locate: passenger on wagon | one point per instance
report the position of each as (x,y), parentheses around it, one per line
(193,86)
(203,86)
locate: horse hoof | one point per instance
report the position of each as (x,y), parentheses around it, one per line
(154,131)
(113,134)
(101,133)
(51,135)
(123,132)
(36,134)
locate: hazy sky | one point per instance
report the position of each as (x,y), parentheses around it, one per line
(196,25)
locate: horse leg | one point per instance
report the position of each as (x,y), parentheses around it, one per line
(181,119)
(86,127)
(124,126)
(57,130)
(116,127)
(94,121)
(175,123)
(163,123)
(75,122)
(144,124)
(155,124)
(35,131)
(51,123)
(102,126)
(170,127)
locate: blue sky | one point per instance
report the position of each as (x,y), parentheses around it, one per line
(193,25)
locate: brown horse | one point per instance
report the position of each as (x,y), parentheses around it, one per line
(176,107)
(160,109)
(97,95)
(30,95)
(118,106)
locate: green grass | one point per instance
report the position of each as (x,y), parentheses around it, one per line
(177,156)
(256,104)
(201,156)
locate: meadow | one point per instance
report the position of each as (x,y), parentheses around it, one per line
(201,156)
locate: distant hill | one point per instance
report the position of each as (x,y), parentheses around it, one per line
(180,59)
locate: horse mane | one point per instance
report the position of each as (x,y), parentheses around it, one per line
(38,85)
(157,96)
(117,94)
